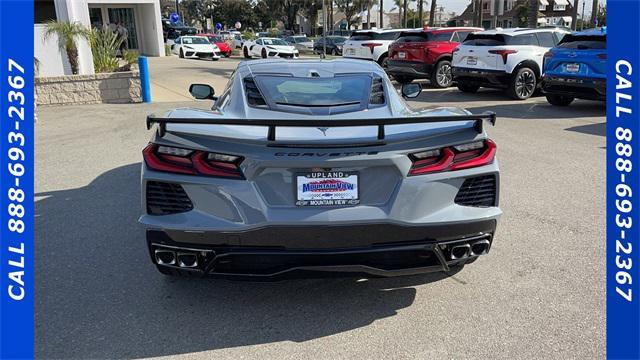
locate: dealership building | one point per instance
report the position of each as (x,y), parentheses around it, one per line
(141,18)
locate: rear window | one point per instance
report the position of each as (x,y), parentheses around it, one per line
(370,35)
(582,42)
(499,39)
(409,37)
(315,91)
(523,39)
(484,40)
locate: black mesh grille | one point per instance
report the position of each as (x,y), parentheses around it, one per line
(377,92)
(478,191)
(166,198)
(254,97)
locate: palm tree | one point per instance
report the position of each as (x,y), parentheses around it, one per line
(67,33)
(533,13)
(432,13)
(381,14)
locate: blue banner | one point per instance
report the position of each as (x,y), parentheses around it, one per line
(16,179)
(623,181)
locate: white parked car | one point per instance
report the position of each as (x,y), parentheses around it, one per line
(195,47)
(370,44)
(509,59)
(266,47)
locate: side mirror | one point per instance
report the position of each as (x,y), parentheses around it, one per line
(410,91)
(202,92)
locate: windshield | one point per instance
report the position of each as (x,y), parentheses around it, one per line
(314,92)
(582,42)
(274,42)
(338,40)
(195,40)
(300,39)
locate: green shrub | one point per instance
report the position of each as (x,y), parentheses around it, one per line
(248,35)
(104,46)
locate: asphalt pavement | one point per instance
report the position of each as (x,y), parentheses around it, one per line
(540,293)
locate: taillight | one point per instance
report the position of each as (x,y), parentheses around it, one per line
(457,157)
(192,162)
(503,53)
(371,46)
(548,55)
(602,56)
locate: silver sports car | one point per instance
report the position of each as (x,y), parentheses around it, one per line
(316,165)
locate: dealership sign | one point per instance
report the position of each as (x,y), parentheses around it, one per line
(623,180)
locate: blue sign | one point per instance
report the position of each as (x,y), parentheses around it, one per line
(218,26)
(16,182)
(623,180)
(174,18)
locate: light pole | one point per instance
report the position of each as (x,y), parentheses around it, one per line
(210,8)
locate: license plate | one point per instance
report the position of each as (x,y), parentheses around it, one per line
(572,67)
(472,60)
(402,54)
(327,188)
(351,51)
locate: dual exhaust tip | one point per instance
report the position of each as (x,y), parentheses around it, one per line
(475,248)
(176,258)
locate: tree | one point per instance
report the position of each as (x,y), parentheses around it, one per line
(522,14)
(432,12)
(310,10)
(594,12)
(602,16)
(350,9)
(67,34)
(381,24)
(533,14)
(399,6)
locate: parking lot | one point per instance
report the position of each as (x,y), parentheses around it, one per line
(540,293)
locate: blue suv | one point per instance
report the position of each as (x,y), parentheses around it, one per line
(576,68)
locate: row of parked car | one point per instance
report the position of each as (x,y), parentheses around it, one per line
(521,61)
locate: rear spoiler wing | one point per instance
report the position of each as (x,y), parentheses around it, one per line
(272,124)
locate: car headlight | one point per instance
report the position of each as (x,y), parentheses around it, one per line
(188,47)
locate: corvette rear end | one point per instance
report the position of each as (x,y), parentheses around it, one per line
(297,188)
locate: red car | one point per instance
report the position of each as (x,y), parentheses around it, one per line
(225,49)
(426,54)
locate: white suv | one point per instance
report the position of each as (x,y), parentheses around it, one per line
(508,59)
(370,44)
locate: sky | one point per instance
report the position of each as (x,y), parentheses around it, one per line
(459,5)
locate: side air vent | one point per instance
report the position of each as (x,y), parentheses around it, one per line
(166,198)
(377,92)
(478,191)
(254,97)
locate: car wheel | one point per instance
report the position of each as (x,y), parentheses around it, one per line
(523,84)
(468,88)
(442,77)
(181,54)
(245,52)
(264,53)
(403,79)
(559,100)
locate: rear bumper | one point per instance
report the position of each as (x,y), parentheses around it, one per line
(276,252)
(582,88)
(480,77)
(414,69)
